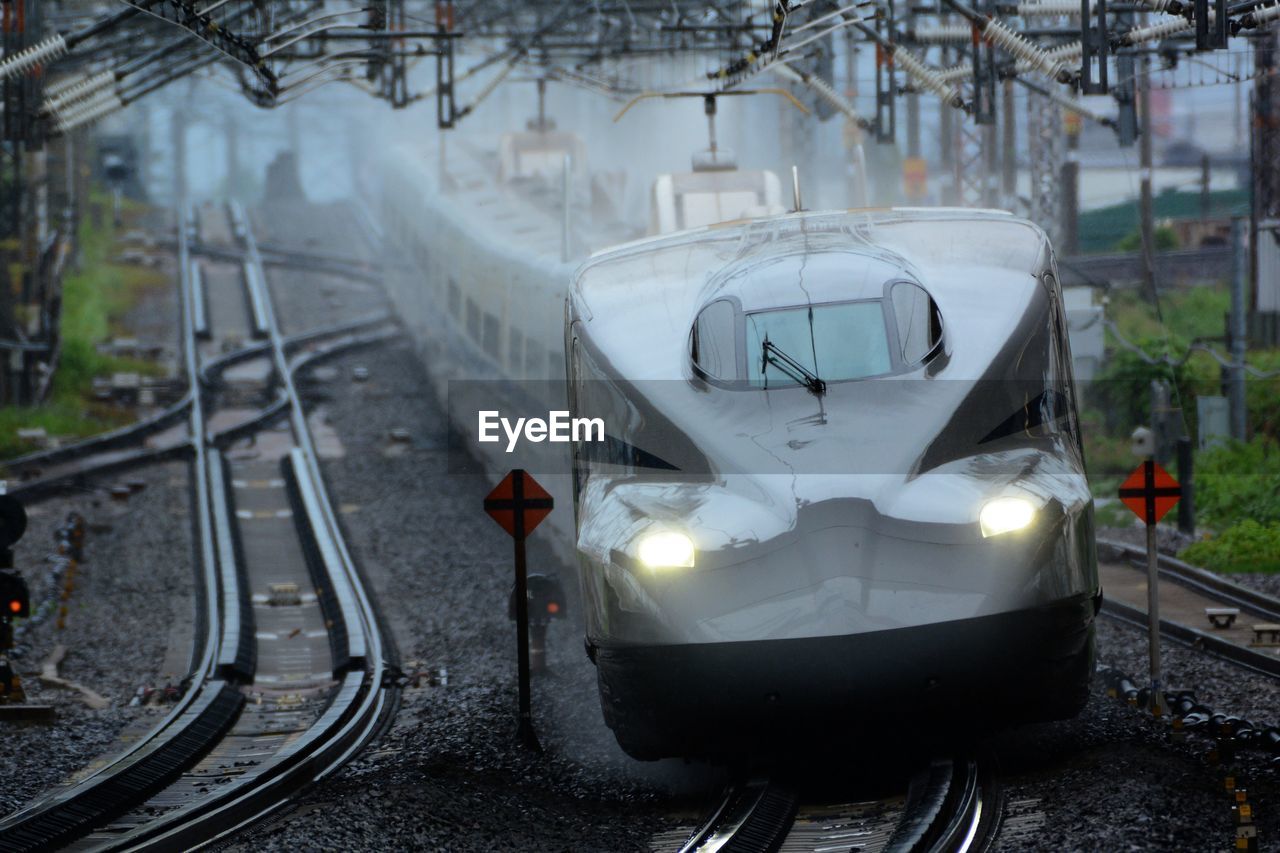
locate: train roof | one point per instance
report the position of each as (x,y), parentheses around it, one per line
(861,221)
(980,266)
(922,240)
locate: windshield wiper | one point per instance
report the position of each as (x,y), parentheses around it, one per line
(791,367)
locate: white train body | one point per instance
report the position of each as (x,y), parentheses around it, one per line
(832,556)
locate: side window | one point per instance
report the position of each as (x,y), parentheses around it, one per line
(714,336)
(919,324)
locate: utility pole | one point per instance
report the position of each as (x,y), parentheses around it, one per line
(1205,199)
(1069,240)
(947,142)
(1009,158)
(1238,331)
(1264,230)
(913,124)
(1044,151)
(1145,213)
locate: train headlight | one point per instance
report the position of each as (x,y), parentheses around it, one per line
(1005,515)
(666,549)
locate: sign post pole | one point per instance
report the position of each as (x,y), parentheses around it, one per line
(524,732)
(1150,492)
(1153,620)
(519,504)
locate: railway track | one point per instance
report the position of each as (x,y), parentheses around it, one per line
(953,805)
(1185,593)
(288,671)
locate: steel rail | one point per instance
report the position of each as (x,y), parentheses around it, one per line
(208,709)
(1206,583)
(953,806)
(209,374)
(200,715)
(355,711)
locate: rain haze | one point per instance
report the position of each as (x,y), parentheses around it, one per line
(682,426)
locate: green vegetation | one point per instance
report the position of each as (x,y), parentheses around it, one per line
(1237,484)
(1236,481)
(94,300)
(1098,228)
(1194,312)
(1245,547)
(1166,239)
(1121,392)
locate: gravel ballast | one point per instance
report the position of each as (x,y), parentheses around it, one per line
(447,776)
(136,581)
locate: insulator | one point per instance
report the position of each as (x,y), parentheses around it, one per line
(822,87)
(944,34)
(65,113)
(1066,51)
(1050,7)
(62,84)
(1067,54)
(1015,44)
(81,90)
(40,53)
(89,111)
(956,72)
(1258,17)
(927,77)
(1155,32)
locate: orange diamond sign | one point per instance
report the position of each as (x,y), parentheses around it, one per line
(518,503)
(1150,492)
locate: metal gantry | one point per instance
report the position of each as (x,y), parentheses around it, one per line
(68,63)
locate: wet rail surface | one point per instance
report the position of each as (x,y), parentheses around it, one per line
(1238,631)
(290,680)
(950,806)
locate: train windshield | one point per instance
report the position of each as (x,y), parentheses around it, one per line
(834,341)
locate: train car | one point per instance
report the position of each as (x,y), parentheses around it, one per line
(844,478)
(841,476)
(489,242)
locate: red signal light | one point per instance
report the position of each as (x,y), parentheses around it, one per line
(553,607)
(15,606)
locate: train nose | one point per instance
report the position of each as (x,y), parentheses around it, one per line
(838,567)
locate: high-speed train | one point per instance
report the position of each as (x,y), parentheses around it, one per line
(841,477)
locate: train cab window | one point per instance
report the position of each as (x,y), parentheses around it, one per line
(455,300)
(555,365)
(473,320)
(492,341)
(834,341)
(515,350)
(918,321)
(714,333)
